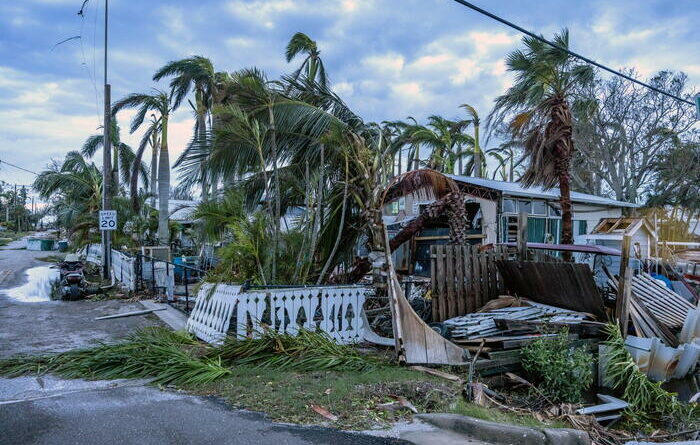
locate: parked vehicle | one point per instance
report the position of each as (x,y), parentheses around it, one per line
(73,282)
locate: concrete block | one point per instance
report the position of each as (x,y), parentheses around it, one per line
(566,436)
(491,432)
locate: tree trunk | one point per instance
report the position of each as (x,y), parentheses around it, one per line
(559,127)
(477,152)
(155,147)
(278,207)
(163,185)
(201,135)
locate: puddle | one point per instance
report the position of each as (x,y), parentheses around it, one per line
(38,287)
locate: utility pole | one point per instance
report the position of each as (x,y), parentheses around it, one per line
(106,160)
(14,209)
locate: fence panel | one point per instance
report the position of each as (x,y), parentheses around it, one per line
(464,279)
(334,310)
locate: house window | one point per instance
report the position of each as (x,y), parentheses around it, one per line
(396,206)
(553,211)
(539,208)
(581,227)
(525,206)
(509,206)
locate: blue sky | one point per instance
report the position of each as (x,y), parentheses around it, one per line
(388,59)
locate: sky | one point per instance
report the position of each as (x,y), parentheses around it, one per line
(388,59)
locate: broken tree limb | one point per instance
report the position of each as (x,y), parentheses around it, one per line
(130,314)
(624,289)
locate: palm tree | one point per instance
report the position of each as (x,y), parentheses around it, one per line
(196,74)
(122,157)
(75,190)
(159,102)
(446,140)
(475,121)
(537,108)
(312,66)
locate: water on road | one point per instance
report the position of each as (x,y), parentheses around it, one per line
(38,287)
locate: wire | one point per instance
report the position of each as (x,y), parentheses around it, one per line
(17,166)
(571,53)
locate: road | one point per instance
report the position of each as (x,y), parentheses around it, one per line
(49,410)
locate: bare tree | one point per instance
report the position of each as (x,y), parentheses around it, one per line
(621,129)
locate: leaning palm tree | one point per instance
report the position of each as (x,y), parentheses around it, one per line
(196,74)
(476,122)
(159,102)
(537,109)
(312,66)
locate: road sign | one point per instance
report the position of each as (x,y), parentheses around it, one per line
(108,220)
(697,105)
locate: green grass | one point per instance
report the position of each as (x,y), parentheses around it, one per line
(353,396)
(496,415)
(51,258)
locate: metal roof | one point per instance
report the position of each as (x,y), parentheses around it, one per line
(517,189)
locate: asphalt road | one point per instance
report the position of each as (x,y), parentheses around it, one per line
(49,410)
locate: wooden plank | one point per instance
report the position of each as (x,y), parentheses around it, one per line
(433,283)
(459,281)
(476,275)
(450,277)
(624,288)
(484,280)
(441,283)
(468,280)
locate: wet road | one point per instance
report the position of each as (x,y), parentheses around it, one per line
(49,410)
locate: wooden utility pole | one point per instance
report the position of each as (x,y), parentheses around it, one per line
(624,286)
(106,160)
(522,236)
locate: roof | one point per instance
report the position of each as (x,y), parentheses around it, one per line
(517,189)
(585,248)
(622,226)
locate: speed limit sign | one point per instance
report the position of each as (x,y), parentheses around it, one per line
(108,220)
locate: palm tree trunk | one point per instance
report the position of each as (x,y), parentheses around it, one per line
(278,206)
(559,127)
(155,146)
(329,260)
(163,185)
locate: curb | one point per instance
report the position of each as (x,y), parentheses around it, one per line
(505,434)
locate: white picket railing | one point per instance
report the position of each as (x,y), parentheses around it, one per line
(335,310)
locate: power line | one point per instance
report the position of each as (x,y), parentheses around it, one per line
(17,166)
(571,53)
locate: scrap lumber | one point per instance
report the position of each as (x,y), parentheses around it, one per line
(437,373)
(624,287)
(416,343)
(560,284)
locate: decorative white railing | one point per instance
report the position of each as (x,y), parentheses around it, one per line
(335,310)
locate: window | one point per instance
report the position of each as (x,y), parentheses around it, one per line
(582,227)
(539,208)
(554,211)
(525,206)
(509,206)
(396,206)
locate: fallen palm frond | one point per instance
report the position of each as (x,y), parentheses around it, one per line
(166,357)
(306,351)
(646,398)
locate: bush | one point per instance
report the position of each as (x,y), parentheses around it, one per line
(563,371)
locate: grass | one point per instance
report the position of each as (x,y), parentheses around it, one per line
(51,258)
(286,396)
(496,415)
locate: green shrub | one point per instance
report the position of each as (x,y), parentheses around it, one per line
(563,371)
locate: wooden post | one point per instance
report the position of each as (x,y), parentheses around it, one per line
(624,286)
(522,236)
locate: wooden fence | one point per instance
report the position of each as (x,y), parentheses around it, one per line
(464,279)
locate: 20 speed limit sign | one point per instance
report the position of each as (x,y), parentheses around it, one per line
(108,220)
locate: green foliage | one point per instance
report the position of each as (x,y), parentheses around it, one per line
(648,401)
(306,351)
(165,356)
(564,371)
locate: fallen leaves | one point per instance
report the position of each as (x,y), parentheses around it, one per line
(324,412)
